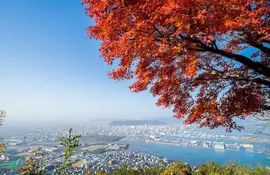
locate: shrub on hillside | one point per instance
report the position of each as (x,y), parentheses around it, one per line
(179,168)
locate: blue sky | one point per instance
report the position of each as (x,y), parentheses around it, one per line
(51,71)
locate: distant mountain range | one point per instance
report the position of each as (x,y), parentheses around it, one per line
(136,122)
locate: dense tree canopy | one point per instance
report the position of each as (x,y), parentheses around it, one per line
(207,59)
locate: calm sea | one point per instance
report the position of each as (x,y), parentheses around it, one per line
(198,155)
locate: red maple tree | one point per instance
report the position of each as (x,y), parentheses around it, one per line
(208,59)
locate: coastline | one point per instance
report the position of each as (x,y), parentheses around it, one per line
(197,155)
(175,144)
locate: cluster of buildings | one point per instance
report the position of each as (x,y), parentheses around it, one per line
(109,161)
(138,132)
(148,132)
(83,161)
(202,143)
(109,156)
(183,135)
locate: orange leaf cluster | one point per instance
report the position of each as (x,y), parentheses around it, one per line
(191,54)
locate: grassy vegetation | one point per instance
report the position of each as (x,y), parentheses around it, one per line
(180,168)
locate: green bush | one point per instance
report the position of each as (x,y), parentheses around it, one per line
(124,170)
(179,168)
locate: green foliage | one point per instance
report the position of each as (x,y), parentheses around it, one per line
(237,169)
(33,166)
(102,173)
(258,170)
(213,168)
(70,142)
(153,170)
(2,116)
(2,145)
(88,171)
(179,168)
(124,170)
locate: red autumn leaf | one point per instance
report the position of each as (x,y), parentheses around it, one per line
(190,54)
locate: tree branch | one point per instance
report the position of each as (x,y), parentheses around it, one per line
(255,66)
(261,47)
(256,80)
